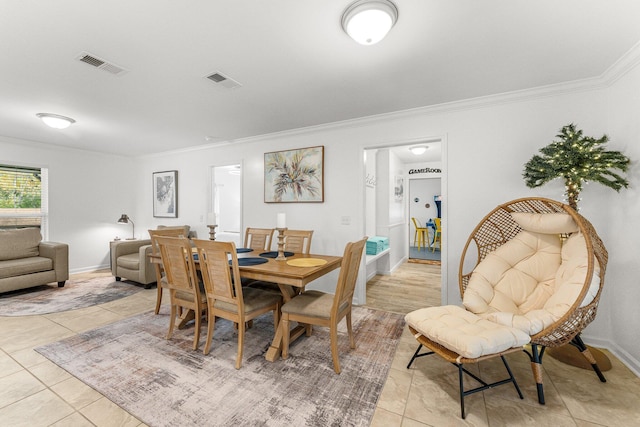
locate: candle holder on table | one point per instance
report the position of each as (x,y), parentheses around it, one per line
(212,231)
(281,256)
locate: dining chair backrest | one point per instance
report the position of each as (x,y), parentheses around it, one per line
(416,223)
(348,274)
(258,238)
(218,277)
(178,264)
(155,251)
(298,241)
(166,232)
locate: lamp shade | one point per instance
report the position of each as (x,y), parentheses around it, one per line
(369,21)
(56,121)
(124,219)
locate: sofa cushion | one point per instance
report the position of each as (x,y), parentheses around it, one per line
(19,243)
(463,332)
(18,267)
(129,261)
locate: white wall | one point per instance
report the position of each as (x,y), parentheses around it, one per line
(88,192)
(620,228)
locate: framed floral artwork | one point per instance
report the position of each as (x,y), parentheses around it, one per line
(165,194)
(294,176)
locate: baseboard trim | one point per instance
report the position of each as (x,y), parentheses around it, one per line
(629,361)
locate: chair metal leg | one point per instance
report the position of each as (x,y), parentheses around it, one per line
(580,345)
(462,371)
(536,366)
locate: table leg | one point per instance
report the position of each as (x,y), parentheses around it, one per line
(273,353)
(186,317)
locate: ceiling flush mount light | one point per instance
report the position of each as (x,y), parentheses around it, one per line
(56,121)
(369,21)
(418,149)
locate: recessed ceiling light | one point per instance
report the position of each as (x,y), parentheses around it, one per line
(56,121)
(369,21)
(418,149)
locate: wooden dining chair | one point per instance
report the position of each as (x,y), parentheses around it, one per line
(182,282)
(224,298)
(298,241)
(258,238)
(322,309)
(155,251)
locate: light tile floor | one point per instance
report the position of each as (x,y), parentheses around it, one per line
(35,392)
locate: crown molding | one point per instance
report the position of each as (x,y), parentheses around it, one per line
(616,71)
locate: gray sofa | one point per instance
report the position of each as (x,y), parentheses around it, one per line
(27,261)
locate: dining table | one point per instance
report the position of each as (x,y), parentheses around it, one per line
(291,275)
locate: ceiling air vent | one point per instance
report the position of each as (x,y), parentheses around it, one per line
(223,80)
(94,61)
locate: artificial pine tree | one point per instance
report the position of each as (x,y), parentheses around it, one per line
(577,159)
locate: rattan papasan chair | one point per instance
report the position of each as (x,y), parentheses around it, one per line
(535,278)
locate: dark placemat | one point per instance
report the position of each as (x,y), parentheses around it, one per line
(274,254)
(243,250)
(251,261)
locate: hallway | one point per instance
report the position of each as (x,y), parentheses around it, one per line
(411,286)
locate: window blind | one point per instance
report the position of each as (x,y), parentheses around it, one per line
(21,196)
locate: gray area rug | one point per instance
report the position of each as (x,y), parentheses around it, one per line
(74,295)
(165,383)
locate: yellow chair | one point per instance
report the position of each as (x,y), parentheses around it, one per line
(437,235)
(421,235)
(322,309)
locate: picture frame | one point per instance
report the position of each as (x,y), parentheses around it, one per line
(294,176)
(165,194)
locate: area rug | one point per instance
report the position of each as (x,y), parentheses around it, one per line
(165,383)
(75,294)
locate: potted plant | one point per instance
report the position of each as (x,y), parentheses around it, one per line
(577,159)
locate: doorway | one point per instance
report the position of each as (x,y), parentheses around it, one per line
(388,215)
(424,200)
(225,209)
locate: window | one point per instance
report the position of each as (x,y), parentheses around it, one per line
(23,201)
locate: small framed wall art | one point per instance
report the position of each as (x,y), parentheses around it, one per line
(294,176)
(165,194)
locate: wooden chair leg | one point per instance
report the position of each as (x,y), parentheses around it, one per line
(196,333)
(241,329)
(334,348)
(285,335)
(158,298)
(211,325)
(172,321)
(352,341)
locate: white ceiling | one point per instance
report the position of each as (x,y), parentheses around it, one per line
(296,65)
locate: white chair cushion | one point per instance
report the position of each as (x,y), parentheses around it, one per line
(463,332)
(546,223)
(515,278)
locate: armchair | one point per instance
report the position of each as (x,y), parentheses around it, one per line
(130,258)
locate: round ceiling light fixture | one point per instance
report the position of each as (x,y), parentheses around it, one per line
(56,121)
(418,149)
(369,21)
